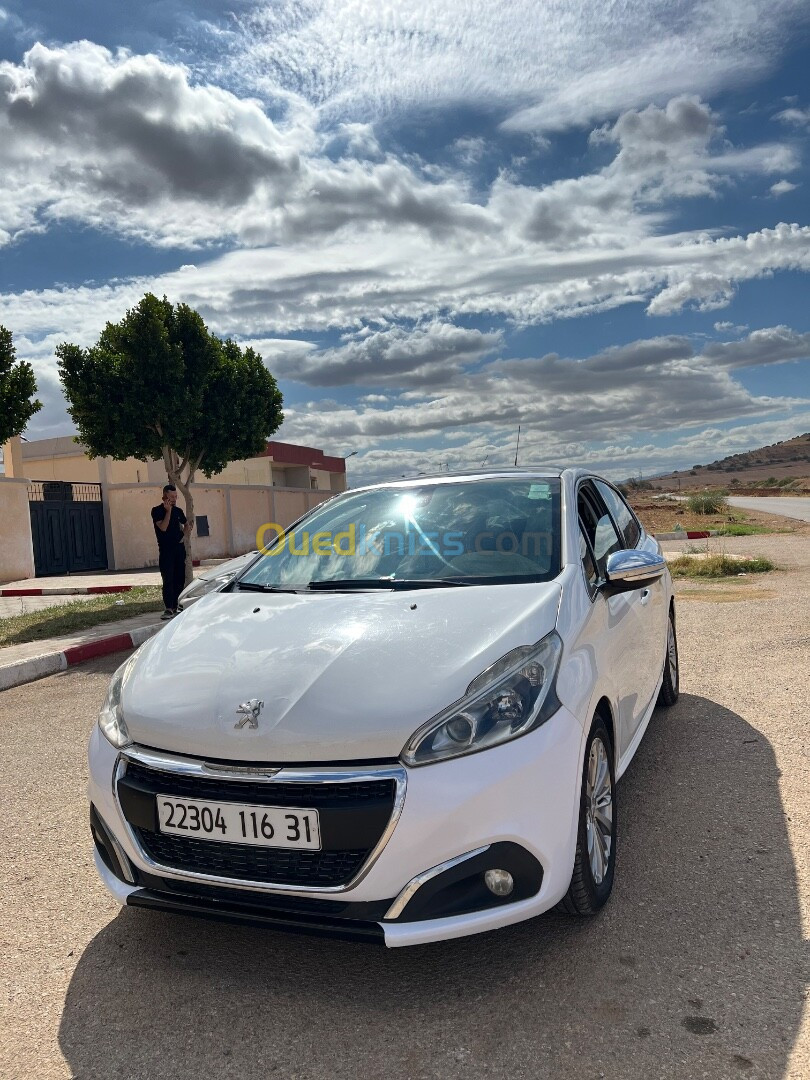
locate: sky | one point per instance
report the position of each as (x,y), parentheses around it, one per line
(435,222)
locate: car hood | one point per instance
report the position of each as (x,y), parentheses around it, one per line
(343,676)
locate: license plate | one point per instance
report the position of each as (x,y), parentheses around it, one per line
(240,823)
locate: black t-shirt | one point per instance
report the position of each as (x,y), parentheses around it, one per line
(174,530)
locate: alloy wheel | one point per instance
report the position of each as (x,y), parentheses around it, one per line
(672,654)
(599,811)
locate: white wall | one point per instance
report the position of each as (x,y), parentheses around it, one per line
(16,549)
(133,535)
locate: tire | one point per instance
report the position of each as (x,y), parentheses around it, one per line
(592,879)
(670,685)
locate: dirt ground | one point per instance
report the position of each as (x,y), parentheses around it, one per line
(663,515)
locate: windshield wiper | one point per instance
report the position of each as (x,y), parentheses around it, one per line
(251,586)
(398,584)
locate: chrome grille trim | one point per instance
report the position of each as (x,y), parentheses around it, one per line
(186,766)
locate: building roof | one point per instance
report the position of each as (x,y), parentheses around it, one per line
(281,452)
(61,446)
(293,454)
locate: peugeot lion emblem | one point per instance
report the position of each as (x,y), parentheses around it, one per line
(249,712)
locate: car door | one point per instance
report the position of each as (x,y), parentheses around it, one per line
(651,601)
(619,620)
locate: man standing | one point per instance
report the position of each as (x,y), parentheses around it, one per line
(171,528)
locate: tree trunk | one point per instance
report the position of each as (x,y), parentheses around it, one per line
(188,498)
(174,471)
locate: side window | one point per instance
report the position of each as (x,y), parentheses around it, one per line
(598,527)
(622,514)
(587,559)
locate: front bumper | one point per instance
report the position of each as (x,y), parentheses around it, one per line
(519,801)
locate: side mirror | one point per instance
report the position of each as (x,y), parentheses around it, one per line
(631,569)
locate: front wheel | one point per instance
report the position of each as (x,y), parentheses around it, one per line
(595,860)
(670,684)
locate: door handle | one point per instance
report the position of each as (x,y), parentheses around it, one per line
(645,596)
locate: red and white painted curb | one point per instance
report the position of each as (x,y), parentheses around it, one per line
(67,590)
(37,667)
(683,534)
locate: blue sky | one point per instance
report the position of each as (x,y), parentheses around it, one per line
(434,223)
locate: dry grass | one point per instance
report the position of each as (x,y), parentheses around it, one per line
(78,615)
(717,566)
(717,594)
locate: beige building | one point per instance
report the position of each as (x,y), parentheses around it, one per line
(284,465)
(66,513)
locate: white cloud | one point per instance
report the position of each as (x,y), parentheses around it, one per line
(551,65)
(127,143)
(782,187)
(654,386)
(427,354)
(469,149)
(397,255)
(771,345)
(796,116)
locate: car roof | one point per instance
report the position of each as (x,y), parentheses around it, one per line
(500,472)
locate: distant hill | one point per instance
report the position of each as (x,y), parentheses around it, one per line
(783,463)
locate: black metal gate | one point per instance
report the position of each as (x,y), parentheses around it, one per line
(67,527)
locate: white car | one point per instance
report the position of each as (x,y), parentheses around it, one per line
(404,722)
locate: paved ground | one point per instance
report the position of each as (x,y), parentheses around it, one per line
(697,968)
(106,577)
(21,605)
(793,506)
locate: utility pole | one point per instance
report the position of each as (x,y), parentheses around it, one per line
(517,446)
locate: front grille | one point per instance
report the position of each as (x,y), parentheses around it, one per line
(353,816)
(272,793)
(247,863)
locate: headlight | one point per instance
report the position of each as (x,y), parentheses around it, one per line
(515,695)
(199,587)
(111,717)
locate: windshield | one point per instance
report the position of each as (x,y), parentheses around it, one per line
(466,532)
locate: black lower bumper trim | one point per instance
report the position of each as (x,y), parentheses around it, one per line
(254,915)
(461,890)
(105,846)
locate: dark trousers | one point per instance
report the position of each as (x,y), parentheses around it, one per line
(172,563)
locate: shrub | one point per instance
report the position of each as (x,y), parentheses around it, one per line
(735,528)
(717,566)
(707,502)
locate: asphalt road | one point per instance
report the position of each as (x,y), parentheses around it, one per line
(792,506)
(697,967)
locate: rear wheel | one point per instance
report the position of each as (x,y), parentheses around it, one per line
(595,860)
(670,684)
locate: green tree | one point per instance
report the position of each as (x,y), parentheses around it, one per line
(158,384)
(17,389)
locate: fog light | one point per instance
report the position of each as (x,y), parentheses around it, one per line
(499,882)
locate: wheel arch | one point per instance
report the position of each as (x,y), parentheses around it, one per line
(605,710)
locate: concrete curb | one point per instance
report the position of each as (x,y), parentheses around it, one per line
(81,590)
(38,667)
